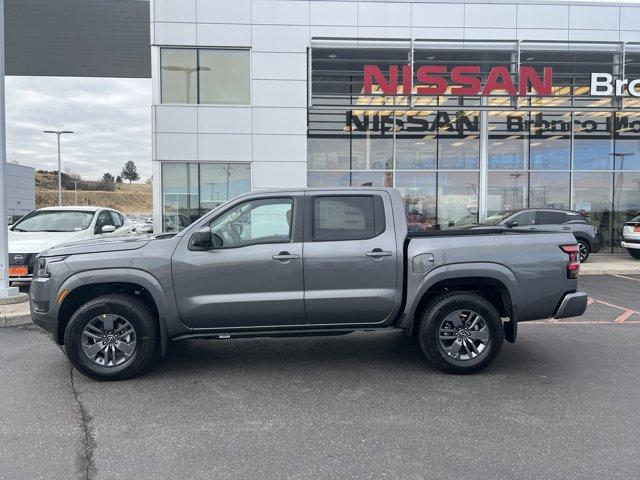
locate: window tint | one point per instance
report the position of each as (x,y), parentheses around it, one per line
(103,219)
(118,221)
(343,218)
(254,222)
(550,218)
(524,218)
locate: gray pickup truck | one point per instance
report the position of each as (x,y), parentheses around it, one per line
(302,262)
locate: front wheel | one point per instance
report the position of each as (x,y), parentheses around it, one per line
(461,333)
(634,252)
(584,249)
(111,337)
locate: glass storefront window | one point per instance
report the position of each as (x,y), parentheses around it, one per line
(626,194)
(507,146)
(593,144)
(328,179)
(627,142)
(205,76)
(329,153)
(224,77)
(592,196)
(549,189)
(457,199)
(372,153)
(507,191)
(550,141)
(371,179)
(178,79)
(419,192)
(417,144)
(189,190)
(458,140)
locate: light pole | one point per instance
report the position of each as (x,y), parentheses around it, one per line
(58,133)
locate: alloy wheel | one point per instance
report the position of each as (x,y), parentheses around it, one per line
(464,335)
(584,251)
(108,340)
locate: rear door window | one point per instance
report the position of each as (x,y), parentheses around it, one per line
(525,218)
(546,217)
(338,218)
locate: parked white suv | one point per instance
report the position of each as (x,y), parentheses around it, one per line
(631,237)
(46,227)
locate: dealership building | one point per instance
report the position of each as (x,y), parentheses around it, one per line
(467,108)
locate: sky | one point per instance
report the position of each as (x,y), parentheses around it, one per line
(111,118)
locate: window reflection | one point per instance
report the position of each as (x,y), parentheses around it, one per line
(627,142)
(627,201)
(549,189)
(592,196)
(507,191)
(328,179)
(593,143)
(371,179)
(507,146)
(457,198)
(550,141)
(419,192)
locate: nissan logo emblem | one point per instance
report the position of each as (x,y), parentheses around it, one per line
(18,258)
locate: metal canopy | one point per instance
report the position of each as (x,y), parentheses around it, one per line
(77,38)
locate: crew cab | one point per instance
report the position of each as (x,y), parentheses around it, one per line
(43,228)
(303,262)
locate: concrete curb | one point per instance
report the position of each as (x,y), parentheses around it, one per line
(15,320)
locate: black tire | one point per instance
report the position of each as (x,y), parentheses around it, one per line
(435,314)
(136,313)
(634,252)
(584,250)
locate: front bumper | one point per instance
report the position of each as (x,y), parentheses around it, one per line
(43,312)
(572,305)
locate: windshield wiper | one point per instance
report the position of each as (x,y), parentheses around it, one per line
(16,229)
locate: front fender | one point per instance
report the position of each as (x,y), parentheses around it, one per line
(419,285)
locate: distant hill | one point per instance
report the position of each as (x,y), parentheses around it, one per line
(129,199)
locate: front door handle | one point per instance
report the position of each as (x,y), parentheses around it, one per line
(285,256)
(566,228)
(378,253)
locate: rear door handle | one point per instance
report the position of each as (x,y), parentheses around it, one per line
(566,228)
(378,253)
(285,256)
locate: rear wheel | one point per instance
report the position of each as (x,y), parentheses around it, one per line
(111,337)
(634,252)
(461,333)
(585,250)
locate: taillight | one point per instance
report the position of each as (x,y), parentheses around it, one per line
(574,260)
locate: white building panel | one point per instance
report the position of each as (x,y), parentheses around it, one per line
(280,121)
(267,175)
(490,15)
(333,13)
(384,14)
(279,148)
(594,17)
(227,147)
(235,11)
(279,93)
(438,15)
(272,38)
(224,119)
(176,146)
(174,10)
(630,18)
(280,12)
(220,35)
(174,119)
(543,16)
(279,66)
(175,33)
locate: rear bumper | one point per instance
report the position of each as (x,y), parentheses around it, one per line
(630,244)
(572,305)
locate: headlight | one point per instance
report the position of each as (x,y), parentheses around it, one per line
(42,264)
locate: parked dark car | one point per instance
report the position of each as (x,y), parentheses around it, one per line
(551,220)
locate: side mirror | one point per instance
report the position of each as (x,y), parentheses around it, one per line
(202,239)
(511,224)
(108,229)
(217,240)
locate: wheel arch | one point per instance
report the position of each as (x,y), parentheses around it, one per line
(84,286)
(497,284)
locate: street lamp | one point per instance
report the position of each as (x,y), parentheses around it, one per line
(58,133)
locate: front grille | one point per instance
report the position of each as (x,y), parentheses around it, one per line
(28,259)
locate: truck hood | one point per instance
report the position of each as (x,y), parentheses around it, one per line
(114,244)
(36,242)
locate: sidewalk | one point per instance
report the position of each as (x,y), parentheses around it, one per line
(608,263)
(15,314)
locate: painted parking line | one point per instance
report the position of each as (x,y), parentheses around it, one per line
(625,277)
(622,318)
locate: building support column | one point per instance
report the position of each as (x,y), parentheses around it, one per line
(484,161)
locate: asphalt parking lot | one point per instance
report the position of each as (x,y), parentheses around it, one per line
(563,402)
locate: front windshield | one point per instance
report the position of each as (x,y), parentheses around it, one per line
(496,218)
(54,221)
(635,219)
